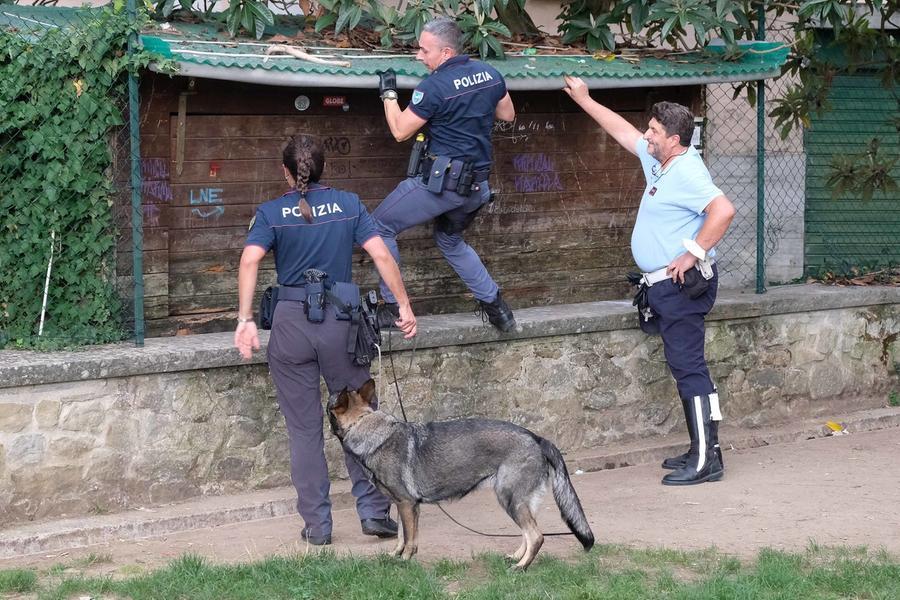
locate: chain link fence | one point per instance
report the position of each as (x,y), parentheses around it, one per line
(65,159)
(731,155)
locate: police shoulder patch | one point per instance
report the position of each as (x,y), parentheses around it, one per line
(252,222)
(417,96)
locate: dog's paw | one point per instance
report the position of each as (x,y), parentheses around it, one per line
(517,555)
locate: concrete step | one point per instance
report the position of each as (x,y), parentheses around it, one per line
(213,511)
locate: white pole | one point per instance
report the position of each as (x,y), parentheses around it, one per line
(47,281)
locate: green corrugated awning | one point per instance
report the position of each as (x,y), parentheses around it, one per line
(200,52)
(203,51)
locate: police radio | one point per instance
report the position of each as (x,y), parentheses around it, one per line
(415,156)
(315,302)
(316,287)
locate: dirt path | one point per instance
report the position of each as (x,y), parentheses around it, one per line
(842,490)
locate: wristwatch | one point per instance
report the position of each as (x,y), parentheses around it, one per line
(389,95)
(243,320)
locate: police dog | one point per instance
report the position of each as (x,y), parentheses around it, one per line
(414,463)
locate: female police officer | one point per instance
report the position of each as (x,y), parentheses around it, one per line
(314,227)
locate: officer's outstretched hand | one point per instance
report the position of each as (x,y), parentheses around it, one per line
(246,339)
(576,88)
(407,321)
(387,81)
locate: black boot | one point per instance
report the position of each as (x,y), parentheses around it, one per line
(498,313)
(705,462)
(387,314)
(714,434)
(676,462)
(383,528)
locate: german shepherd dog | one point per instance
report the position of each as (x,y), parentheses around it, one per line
(414,463)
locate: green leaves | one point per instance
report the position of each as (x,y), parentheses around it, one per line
(343,13)
(251,15)
(386,21)
(59,101)
(864,174)
(594,30)
(479,31)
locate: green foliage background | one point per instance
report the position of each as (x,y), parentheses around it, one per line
(62,95)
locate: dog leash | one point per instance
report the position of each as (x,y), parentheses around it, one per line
(403,412)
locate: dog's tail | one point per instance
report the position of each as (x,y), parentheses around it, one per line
(566,498)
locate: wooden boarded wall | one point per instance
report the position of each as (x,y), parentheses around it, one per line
(558,231)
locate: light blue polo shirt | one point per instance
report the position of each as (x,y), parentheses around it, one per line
(671,208)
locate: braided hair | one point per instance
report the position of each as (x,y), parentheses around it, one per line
(304,159)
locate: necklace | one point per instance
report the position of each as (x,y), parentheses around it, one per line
(659,170)
(663,166)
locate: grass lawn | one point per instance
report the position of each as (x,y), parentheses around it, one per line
(613,572)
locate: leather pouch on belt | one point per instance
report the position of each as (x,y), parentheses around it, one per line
(695,285)
(348,296)
(438,172)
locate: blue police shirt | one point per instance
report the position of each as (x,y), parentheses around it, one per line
(458,99)
(339,221)
(671,208)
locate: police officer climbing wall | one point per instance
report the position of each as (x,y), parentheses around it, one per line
(682,216)
(448,173)
(315,322)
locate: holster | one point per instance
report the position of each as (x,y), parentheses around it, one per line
(362,339)
(267,303)
(647,319)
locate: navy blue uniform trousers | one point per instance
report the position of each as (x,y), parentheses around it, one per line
(682,327)
(411,204)
(299,352)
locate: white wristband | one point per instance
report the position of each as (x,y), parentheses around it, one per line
(694,248)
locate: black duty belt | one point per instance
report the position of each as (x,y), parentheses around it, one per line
(292,293)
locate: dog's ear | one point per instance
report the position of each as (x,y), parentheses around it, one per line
(367,393)
(340,403)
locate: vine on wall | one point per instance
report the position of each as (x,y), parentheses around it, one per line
(62,93)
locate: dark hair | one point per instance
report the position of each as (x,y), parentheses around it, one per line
(304,159)
(675,119)
(446,30)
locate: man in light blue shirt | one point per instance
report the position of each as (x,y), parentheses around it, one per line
(682,216)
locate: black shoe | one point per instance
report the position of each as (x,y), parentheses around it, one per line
(675,462)
(383,528)
(315,540)
(689,475)
(387,314)
(497,312)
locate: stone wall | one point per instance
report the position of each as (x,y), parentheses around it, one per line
(120,427)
